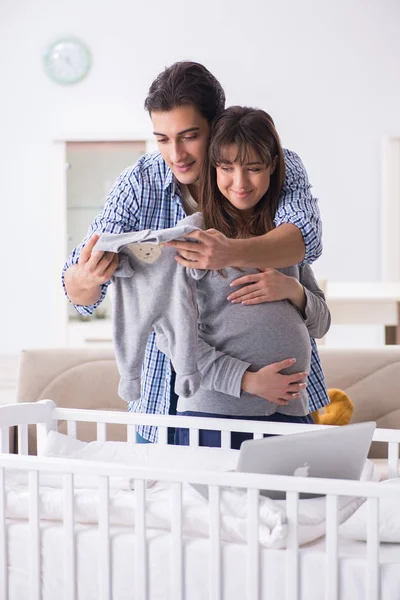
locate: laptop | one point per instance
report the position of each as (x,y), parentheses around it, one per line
(334,453)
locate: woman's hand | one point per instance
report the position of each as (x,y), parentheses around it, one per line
(269,285)
(270,384)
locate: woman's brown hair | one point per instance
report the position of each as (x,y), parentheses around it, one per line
(249,129)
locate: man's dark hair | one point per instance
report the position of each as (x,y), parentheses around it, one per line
(186,83)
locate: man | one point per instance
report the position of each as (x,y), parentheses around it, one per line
(158,191)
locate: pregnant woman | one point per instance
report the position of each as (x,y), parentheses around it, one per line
(243,177)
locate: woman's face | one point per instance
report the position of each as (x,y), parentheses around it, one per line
(243,185)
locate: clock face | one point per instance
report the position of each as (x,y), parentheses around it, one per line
(67,61)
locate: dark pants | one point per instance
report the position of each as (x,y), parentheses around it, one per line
(213,438)
(172,408)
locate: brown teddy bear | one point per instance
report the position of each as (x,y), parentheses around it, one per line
(338,412)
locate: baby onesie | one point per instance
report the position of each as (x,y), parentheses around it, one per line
(152,292)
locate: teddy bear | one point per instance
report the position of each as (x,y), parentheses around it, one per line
(338,412)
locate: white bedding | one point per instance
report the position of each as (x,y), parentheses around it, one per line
(195,515)
(196,567)
(196,551)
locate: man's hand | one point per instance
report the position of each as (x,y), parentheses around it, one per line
(269,285)
(212,251)
(95,267)
(83,280)
(270,384)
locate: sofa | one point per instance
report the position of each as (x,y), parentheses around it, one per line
(88,378)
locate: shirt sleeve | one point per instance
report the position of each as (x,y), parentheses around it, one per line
(220,372)
(120,215)
(298,206)
(317,315)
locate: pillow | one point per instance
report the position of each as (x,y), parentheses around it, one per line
(58,445)
(355,528)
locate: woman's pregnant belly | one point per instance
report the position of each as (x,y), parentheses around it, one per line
(260,334)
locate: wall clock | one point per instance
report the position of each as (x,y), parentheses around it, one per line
(67,61)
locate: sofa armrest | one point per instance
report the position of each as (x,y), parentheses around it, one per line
(72,378)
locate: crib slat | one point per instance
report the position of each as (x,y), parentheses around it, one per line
(194,438)
(373,549)
(393,459)
(105,582)
(176,542)
(34,531)
(101,432)
(292,552)
(253,555)
(225,439)
(215,543)
(72,429)
(22,439)
(42,429)
(331,562)
(4,440)
(69,538)
(163,435)
(131,434)
(141,583)
(3,538)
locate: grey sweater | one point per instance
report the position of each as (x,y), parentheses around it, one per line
(152,292)
(234,338)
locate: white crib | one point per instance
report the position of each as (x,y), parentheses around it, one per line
(104,560)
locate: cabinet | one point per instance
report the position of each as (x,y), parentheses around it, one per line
(84,171)
(94,332)
(92,168)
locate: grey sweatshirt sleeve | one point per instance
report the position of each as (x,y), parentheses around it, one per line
(219,372)
(317,315)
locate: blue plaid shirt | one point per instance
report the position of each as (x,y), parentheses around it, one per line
(147,196)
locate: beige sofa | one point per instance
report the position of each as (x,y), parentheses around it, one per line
(88,378)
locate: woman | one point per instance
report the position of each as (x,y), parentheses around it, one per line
(241,185)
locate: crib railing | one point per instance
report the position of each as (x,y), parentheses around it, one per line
(45,416)
(253,483)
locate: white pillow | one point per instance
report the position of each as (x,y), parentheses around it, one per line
(150,455)
(57,444)
(355,528)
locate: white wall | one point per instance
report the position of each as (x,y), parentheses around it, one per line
(328,72)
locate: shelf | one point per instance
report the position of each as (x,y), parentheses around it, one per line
(92,332)
(93,207)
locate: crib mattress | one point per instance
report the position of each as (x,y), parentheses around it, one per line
(196,560)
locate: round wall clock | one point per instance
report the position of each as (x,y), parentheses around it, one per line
(67,61)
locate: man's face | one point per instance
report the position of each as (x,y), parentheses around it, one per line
(182,136)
